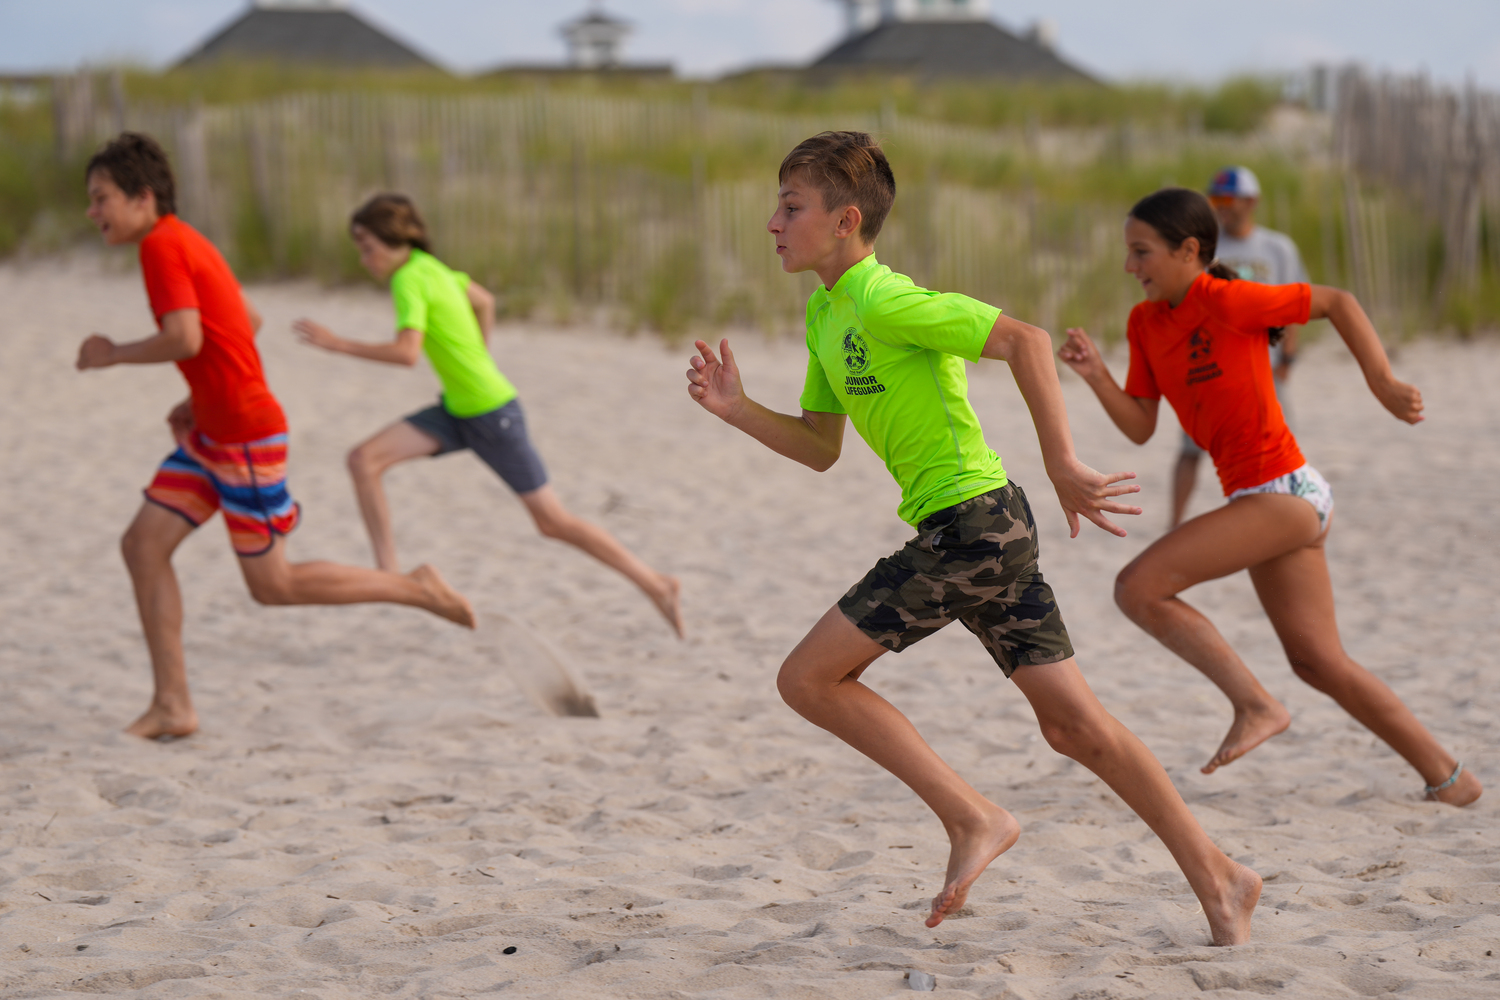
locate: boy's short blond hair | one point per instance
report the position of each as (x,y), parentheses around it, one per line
(848,168)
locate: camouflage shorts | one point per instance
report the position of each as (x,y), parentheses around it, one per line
(975,562)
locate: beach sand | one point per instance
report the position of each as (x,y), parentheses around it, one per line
(374,807)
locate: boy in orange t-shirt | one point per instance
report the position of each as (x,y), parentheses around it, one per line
(230,432)
(1200,340)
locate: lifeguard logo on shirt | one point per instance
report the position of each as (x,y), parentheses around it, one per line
(856,352)
(856,360)
(1200,345)
(1201,368)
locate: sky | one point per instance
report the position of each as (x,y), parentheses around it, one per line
(1190,40)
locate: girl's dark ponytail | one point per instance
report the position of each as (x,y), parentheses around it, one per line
(1224,271)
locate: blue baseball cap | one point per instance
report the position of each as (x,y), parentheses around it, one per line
(1234,182)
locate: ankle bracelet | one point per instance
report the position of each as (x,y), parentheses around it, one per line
(1434,789)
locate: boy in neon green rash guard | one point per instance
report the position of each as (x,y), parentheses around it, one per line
(889,357)
(445,315)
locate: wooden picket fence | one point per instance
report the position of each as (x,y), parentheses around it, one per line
(1439,148)
(651,213)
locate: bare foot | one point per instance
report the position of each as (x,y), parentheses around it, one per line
(1251,728)
(446,601)
(160,720)
(1463,791)
(668,601)
(1229,914)
(971,854)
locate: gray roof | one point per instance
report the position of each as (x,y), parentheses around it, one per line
(306,34)
(948,48)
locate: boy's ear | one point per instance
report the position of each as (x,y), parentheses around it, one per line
(849,221)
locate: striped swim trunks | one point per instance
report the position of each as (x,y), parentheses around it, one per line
(247,480)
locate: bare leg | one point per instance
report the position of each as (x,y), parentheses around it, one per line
(273,580)
(554,520)
(820,680)
(147,547)
(1184,477)
(1242,534)
(1298,596)
(1076,725)
(367,464)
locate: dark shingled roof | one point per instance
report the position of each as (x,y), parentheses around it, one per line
(306,34)
(948,48)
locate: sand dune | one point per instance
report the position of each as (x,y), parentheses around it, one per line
(376,807)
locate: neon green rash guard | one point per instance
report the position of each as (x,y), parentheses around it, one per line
(891,355)
(433,298)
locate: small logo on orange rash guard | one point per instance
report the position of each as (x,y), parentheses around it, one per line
(1201,344)
(856,352)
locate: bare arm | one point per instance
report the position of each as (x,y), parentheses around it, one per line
(1348,318)
(1080,490)
(1135,416)
(180,338)
(404,350)
(814,439)
(483,304)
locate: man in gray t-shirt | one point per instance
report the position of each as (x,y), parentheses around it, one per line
(1255,253)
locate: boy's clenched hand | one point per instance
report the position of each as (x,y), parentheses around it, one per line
(715,384)
(181,419)
(1084,492)
(96,351)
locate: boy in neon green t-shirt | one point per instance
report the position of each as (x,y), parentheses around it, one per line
(889,356)
(445,315)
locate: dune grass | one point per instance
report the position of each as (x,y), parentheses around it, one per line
(647,197)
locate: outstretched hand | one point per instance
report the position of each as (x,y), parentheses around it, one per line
(1403,399)
(715,383)
(1086,493)
(315,334)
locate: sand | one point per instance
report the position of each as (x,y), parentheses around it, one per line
(374,807)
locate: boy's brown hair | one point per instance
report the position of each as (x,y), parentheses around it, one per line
(849,168)
(136,162)
(393,219)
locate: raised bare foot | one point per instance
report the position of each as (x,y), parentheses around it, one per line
(1229,914)
(445,601)
(1251,728)
(668,601)
(161,720)
(970,855)
(1463,791)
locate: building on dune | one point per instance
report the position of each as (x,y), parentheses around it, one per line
(933,39)
(322,32)
(596,43)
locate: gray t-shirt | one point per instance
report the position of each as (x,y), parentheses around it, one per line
(1266,256)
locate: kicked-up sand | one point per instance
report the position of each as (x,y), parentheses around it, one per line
(374,806)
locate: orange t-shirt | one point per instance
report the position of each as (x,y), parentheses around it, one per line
(231,402)
(1208,357)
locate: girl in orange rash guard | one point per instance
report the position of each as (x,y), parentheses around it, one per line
(1199,339)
